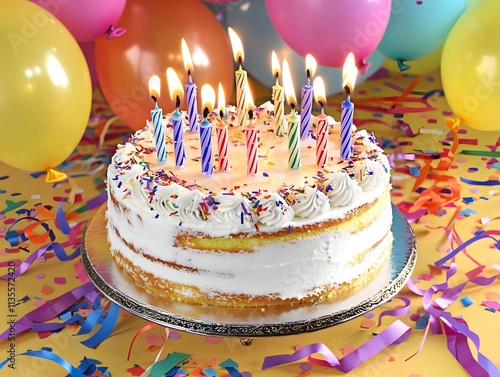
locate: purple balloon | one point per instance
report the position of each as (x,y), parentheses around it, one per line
(86,20)
(330,29)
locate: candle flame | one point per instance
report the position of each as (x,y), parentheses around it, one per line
(250,104)
(207,97)
(311,65)
(174,85)
(319,90)
(186,56)
(154,86)
(221,103)
(288,85)
(275,64)
(237,46)
(349,73)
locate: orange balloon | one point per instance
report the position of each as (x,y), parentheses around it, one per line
(151,44)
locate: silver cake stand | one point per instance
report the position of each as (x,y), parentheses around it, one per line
(245,323)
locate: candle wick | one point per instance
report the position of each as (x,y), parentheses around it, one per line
(347,90)
(205,112)
(240,61)
(221,114)
(321,104)
(177,102)
(276,75)
(292,105)
(154,98)
(250,114)
(189,74)
(308,76)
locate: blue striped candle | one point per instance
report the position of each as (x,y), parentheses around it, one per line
(206,147)
(178,131)
(156,118)
(346,129)
(306,98)
(192,106)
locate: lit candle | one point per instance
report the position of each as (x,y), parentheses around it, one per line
(192,104)
(293,120)
(306,98)
(278,97)
(349,75)
(176,92)
(156,119)
(322,129)
(222,132)
(251,138)
(208,100)
(241,79)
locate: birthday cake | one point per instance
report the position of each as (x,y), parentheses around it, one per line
(280,236)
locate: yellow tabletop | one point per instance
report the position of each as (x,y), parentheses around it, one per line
(382,107)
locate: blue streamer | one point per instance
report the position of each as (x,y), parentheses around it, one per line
(106,328)
(90,322)
(47,354)
(480,183)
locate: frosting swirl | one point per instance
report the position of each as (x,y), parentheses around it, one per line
(274,210)
(342,190)
(311,203)
(233,211)
(192,206)
(165,197)
(369,174)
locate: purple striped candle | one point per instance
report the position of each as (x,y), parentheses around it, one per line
(192,106)
(178,131)
(306,99)
(346,129)
(206,147)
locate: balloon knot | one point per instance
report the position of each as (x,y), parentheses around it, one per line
(54,176)
(363,66)
(453,124)
(402,65)
(115,33)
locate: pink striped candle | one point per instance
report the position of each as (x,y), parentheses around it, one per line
(322,139)
(222,144)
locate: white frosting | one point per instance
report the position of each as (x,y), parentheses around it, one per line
(342,190)
(233,211)
(369,174)
(275,212)
(310,204)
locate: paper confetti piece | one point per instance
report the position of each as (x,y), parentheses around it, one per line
(170,361)
(346,350)
(492,304)
(46,290)
(492,296)
(174,335)
(367,323)
(422,321)
(212,339)
(60,280)
(11,205)
(466,301)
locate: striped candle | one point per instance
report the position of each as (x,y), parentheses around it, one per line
(222,143)
(251,140)
(178,131)
(322,139)
(279,107)
(306,99)
(156,118)
(206,147)
(346,129)
(293,141)
(192,106)
(241,96)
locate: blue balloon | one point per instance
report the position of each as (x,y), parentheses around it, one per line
(416,28)
(259,38)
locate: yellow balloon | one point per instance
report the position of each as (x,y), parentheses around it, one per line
(428,63)
(470,67)
(45,88)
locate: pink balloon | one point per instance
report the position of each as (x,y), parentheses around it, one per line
(330,29)
(86,20)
